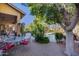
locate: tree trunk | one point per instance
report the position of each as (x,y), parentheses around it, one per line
(69,43)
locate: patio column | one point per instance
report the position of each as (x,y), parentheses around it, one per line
(18,29)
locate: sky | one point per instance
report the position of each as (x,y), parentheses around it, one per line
(28,18)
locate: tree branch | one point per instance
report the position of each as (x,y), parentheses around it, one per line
(69,25)
(74,19)
(62,26)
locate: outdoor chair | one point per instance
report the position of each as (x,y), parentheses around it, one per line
(26,39)
(8,46)
(9,43)
(5,47)
(24,42)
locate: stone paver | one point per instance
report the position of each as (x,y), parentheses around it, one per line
(36,49)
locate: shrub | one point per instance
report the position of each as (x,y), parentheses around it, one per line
(58,36)
(42,39)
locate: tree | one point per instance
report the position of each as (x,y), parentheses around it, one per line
(65,14)
(38,30)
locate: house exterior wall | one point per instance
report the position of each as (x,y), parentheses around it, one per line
(58,28)
(7,9)
(55,28)
(76,30)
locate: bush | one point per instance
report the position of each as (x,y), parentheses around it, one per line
(58,36)
(41,39)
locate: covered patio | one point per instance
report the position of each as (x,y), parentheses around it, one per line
(7,22)
(10,16)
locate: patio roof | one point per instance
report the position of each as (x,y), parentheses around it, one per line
(7,18)
(18,9)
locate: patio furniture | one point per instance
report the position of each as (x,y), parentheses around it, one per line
(8,43)
(8,46)
(24,42)
(26,39)
(5,47)
(1,46)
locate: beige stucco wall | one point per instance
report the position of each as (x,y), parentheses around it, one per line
(76,30)
(60,29)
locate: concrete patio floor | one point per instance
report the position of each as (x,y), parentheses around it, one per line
(36,49)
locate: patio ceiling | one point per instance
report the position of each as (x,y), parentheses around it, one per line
(8,18)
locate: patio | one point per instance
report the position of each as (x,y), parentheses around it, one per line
(36,49)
